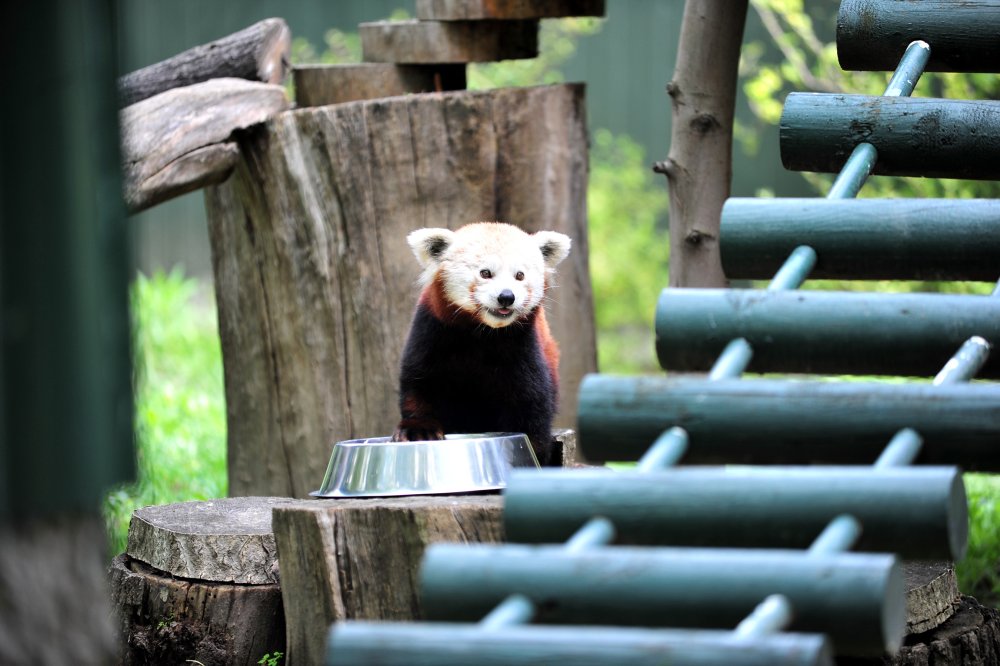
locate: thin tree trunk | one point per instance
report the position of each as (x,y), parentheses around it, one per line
(699,165)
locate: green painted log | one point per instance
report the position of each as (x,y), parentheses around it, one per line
(918,513)
(864,239)
(914,136)
(872,34)
(441,644)
(857,599)
(764,421)
(823,332)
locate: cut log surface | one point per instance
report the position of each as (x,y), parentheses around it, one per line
(259,53)
(318,85)
(415,42)
(476,10)
(316,284)
(359,558)
(167,620)
(931,594)
(226,540)
(179,140)
(970,637)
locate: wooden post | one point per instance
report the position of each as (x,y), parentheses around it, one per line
(316,284)
(359,558)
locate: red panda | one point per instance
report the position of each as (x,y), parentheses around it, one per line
(479,356)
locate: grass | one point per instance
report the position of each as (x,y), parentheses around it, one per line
(180,409)
(181,424)
(979,572)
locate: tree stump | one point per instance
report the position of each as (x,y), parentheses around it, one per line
(360,558)
(198,582)
(315,283)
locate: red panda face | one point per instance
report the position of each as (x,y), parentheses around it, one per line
(494,271)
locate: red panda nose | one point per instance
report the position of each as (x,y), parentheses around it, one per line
(506,298)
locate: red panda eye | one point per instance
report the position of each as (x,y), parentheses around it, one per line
(519,276)
(486,274)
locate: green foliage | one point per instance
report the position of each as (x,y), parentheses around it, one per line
(804,62)
(627,208)
(272,659)
(180,405)
(979,572)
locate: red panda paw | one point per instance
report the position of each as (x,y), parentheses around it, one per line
(418,430)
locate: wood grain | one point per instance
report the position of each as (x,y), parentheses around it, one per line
(477,10)
(415,42)
(259,52)
(318,85)
(179,140)
(359,558)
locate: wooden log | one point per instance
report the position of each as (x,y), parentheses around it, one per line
(258,53)
(189,569)
(319,85)
(931,594)
(479,10)
(857,599)
(864,239)
(823,332)
(914,136)
(422,42)
(223,540)
(358,558)
(180,140)
(164,619)
(764,421)
(915,512)
(452,644)
(970,637)
(315,282)
(872,34)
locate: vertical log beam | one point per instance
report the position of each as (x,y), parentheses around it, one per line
(699,165)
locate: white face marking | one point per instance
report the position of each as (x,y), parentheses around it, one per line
(484,279)
(492,270)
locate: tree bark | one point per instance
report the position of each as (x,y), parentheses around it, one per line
(168,620)
(315,282)
(699,165)
(258,53)
(359,558)
(180,140)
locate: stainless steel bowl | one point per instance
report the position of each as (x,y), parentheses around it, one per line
(378,467)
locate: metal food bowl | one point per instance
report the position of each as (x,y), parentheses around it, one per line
(378,467)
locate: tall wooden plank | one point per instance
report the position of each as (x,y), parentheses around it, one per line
(316,284)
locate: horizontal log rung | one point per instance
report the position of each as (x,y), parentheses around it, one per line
(824,331)
(914,136)
(864,239)
(444,644)
(871,34)
(858,599)
(768,421)
(919,513)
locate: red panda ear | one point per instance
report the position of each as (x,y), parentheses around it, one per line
(429,244)
(554,246)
